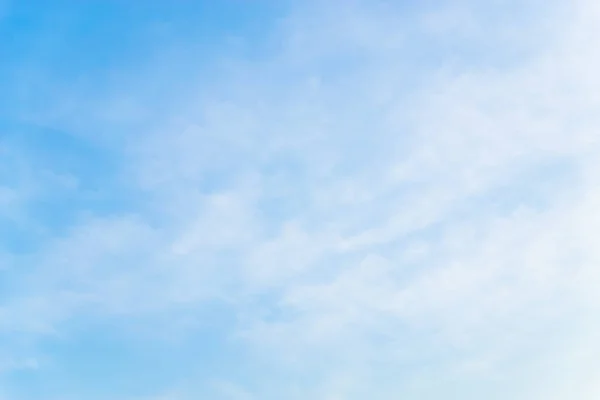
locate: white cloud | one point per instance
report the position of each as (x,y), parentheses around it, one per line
(359,222)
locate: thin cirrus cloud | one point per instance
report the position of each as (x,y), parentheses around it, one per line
(329,201)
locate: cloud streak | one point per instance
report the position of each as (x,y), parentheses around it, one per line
(389,202)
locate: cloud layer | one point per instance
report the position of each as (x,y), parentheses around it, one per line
(369,201)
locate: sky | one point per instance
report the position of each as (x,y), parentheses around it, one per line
(299,199)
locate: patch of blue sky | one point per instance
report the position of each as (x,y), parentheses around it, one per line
(97,362)
(243,200)
(61,176)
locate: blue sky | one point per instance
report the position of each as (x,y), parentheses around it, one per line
(331,200)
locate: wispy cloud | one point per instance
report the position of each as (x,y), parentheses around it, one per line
(384,201)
